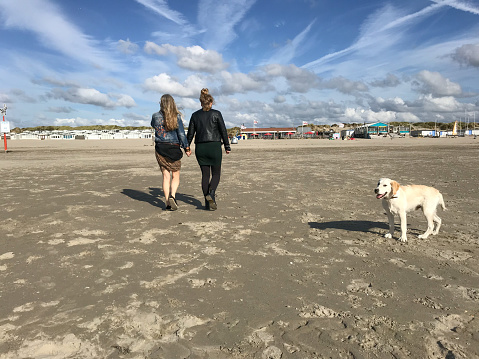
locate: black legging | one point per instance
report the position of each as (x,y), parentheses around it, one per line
(206,183)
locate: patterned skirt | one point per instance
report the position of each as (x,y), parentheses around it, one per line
(166,163)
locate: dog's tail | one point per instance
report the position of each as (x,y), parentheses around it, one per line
(441,202)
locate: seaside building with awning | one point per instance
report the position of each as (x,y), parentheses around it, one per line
(269,132)
(370,129)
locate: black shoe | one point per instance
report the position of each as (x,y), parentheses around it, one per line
(207,204)
(210,197)
(172,203)
(168,208)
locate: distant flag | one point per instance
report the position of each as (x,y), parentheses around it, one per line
(255,122)
(305,123)
(243,127)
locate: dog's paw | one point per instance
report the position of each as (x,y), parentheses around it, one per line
(388,235)
(402,239)
(422,236)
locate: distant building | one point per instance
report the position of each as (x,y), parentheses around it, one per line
(369,129)
(269,132)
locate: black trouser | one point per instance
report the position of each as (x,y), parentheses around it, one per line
(208,184)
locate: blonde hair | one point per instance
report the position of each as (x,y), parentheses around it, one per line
(170,112)
(206,99)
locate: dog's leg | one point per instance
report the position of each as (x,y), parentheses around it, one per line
(430,224)
(391,225)
(438,224)
(402,216)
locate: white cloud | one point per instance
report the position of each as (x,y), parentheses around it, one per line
(298,79)
(382,30)
(242,83)
(92,96)
(434,83)
(437,104)
(127,47)
(294,47)
(79,121)
(381,116)
(124,101)
(407,117)
(353,114)
(152,48)
(459,5)
(62,109)
(162,8)
(195,58)
(64,122)
(164,83)
(4,98)
(467,54)
(188,103)
(54,30)
(390,80)
(220,19)
(344,85)
(396,104)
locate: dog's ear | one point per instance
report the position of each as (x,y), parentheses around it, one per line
(395,187)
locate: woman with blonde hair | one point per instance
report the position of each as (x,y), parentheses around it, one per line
(169,139)
(209,130)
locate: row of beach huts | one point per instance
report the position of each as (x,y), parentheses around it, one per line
(365,131)
(82,135)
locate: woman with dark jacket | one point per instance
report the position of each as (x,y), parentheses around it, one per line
(209,130)
(169,139)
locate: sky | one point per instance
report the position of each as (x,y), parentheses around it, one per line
(277,62)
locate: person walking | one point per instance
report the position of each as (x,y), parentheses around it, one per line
(169,139)
(209,130)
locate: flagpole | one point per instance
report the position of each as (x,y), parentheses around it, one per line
(4,112)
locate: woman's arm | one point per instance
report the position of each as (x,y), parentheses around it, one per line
(191,131)
(223,133)
(181,133)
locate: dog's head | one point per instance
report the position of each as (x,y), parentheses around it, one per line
(386,188)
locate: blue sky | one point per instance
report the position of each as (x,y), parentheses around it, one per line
(277,62)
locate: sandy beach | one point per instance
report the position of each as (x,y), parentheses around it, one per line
(293,264)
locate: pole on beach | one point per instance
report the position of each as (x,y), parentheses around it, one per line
(4,111)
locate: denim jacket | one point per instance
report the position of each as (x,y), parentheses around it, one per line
(162,135)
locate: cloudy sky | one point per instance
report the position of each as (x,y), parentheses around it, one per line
(279,62)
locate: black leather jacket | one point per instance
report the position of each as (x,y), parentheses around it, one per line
(208,126)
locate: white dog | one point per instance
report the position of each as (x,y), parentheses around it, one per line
(402,199)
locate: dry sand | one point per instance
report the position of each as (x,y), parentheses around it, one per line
(293,264)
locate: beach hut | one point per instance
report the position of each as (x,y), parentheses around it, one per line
(370,129)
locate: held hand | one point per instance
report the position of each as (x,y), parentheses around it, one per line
(188,153)
(228,152)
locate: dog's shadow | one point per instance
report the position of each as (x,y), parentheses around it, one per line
(155,197)
(353,226)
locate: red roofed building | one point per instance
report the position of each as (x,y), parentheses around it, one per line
(273,132)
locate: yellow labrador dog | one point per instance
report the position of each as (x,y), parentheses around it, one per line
(402,199)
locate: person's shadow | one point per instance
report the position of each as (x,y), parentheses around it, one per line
(155,197)
(354,226)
